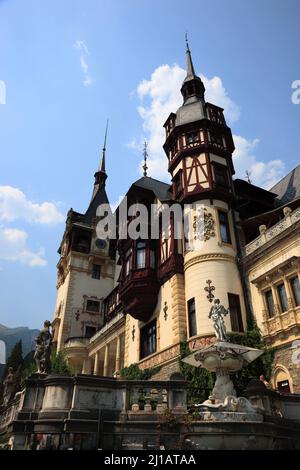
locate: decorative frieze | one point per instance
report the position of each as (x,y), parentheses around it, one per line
(160,358)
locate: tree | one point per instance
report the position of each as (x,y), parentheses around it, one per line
(59,364)
(15,359)
(133,372)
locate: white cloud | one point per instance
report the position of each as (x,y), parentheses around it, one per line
(264,174)
(160,95)
(13,247)
(14,205)
(84,53)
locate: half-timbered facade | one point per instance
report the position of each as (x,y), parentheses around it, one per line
(134,300)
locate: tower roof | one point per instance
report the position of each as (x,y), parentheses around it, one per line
(192,87)
(190,72)
(288,188)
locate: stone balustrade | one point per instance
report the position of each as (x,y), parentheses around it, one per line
(290,218)
(58,397)
(281,321)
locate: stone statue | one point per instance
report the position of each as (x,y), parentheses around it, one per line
(8,385)
(43,349)
(216,313)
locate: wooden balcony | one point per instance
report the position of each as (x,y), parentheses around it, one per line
(138,293)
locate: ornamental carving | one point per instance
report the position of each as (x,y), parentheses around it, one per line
(209,289)
(204,226)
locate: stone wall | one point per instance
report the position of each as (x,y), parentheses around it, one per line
(166,370)
(285,367)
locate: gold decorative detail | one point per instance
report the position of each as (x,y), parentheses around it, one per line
(204,226)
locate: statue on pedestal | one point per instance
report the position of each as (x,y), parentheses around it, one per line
(8,385)
(43,349)
(216,313)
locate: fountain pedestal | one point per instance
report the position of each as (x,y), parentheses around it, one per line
(224,358)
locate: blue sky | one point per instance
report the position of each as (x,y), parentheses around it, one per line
(68,65)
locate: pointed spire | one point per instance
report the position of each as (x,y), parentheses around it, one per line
(100,175)
(189,63)
(102,161)
(192,86)
(145,167)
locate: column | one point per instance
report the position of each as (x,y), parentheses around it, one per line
(118,355)
(86,368)
(96,364)
(106,362)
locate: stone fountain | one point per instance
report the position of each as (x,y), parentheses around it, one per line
(224,358)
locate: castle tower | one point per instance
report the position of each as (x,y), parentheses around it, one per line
(199,148)
(85,275)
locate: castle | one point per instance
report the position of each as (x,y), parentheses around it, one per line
(126,300)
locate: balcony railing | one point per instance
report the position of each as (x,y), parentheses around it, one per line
(107,326)
(111,304)
(281,321)
(272,232)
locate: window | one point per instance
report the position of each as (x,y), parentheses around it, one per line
(140,255)
(93,305)
(192,138)
(282,297)
(224,227)
(177,185)
(90,331)
(220,175)
(148,340)
(283,387)
(235,313)
(270,303)
(128,257)
(192,318)
(96,272)
(152,258)
(294,282)
(216,139)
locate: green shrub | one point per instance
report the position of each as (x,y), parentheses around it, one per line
(133,372)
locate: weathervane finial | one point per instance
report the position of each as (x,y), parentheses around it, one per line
(187,42)
(145,167)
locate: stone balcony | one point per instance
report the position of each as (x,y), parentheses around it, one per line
(267,234)
(76,342)
(282,323)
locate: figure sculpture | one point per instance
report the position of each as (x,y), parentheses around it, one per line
(8,384)
(43,349)
(216,313)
